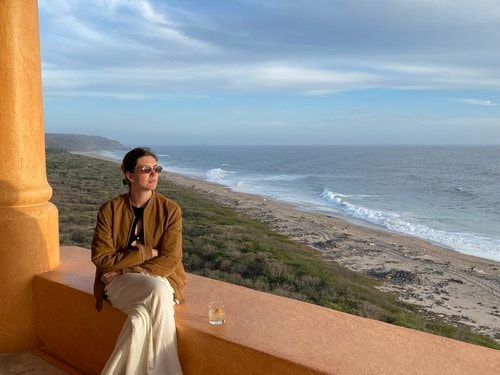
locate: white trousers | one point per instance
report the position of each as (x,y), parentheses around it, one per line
(147,343)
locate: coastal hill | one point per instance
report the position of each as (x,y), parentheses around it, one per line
(79,142)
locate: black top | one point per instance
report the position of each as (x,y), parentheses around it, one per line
(137,231)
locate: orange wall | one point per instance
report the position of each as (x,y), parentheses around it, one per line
(263,333)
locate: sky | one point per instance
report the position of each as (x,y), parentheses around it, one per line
(272,72)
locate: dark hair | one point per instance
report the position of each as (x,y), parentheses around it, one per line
(130,160)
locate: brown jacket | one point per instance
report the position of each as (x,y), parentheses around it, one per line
(162,223)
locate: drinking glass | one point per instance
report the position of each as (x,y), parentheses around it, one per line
(216,313)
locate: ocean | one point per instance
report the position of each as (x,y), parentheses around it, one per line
(448,195)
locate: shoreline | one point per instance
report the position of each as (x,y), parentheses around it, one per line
(445,284)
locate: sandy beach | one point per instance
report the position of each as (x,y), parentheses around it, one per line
(444,283)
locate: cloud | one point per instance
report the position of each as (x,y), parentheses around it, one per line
(324,92)
(479,102)
(230,77)
(98,33)
(163,47)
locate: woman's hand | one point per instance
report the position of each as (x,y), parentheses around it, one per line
(107,277)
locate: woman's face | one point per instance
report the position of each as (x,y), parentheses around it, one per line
(141,180)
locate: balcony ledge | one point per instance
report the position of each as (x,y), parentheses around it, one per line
(262,333)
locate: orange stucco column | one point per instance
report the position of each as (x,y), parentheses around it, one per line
(29,239)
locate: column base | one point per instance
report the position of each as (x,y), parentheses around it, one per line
(29,245)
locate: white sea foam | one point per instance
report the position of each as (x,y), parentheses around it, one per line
(358,212)
(464,242)
(218,175)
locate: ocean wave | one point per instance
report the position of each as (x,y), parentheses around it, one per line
(218,175)
(467,243)
(256,183)
(358,212)
(328,195)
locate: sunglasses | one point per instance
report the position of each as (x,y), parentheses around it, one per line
(147,169)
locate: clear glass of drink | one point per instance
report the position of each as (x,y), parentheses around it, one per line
(216,313)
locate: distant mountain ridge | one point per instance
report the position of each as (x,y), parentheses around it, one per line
(80,142)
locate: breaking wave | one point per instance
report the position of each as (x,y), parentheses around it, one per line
(464,242)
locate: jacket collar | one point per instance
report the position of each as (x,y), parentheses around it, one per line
(128,199)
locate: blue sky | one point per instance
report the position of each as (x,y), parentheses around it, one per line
(273,71)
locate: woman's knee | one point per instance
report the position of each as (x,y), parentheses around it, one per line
(135,288)
(160,288)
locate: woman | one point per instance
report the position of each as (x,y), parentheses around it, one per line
(137,250)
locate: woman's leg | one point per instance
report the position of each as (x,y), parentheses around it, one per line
(147,343)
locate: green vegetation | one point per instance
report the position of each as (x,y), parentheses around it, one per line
(223,244)
(79,142)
